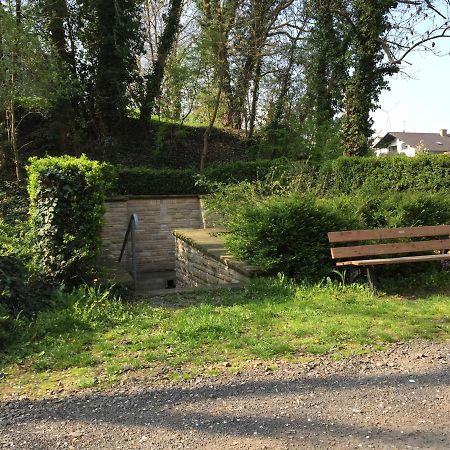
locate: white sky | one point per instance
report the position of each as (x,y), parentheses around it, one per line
(420,103)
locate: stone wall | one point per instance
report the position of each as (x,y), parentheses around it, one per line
(202,260)
(158,216)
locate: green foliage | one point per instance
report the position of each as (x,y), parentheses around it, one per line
(148,181)
(13,201)
(75,342)
(366,82)
(306,140)
(14,294)
(6,326)
(288,234)
(273,224)
(20,292)
(112,39)
(399,173)
(66,209)
(406,209)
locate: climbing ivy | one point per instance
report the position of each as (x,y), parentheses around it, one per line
(66,211)
(368,79)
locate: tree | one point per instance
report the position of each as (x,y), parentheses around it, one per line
(116,45)
(28,73)
(154,79)
(369,71)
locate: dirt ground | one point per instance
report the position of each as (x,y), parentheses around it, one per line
(394,399)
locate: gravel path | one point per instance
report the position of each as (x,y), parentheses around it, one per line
(395,399)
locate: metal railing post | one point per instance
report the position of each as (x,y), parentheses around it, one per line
(132,226)
(133,254)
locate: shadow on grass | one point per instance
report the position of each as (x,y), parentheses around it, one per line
(415,284)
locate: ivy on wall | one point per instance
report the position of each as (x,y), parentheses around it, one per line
(66,212)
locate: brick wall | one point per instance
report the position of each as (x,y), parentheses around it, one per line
(202,260)
(158,216)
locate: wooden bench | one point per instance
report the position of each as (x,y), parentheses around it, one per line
(356,255)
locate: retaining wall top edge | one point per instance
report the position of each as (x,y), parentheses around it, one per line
(121,198)
(209,242)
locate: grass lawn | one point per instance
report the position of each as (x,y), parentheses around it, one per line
(91,339)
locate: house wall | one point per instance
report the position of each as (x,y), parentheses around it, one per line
(396,147)
(158,216)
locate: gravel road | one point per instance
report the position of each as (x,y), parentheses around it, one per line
(394,399)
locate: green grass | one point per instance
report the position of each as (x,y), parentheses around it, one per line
(94,339)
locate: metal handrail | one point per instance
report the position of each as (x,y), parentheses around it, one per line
(132,226)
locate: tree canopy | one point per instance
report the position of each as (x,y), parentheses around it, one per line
(259,67)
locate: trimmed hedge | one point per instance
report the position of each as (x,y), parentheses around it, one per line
(148,181)
(288,233)
(66,212)
(398,173)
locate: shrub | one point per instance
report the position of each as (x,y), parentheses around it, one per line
(14,292)
(289,233)
(412,209)
(5,326)
(148,181)
(14,239)
(66,211)
(399,173)
(13,200)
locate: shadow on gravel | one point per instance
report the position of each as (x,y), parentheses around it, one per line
(245,415)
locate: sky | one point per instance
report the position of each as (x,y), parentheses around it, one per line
(420,102)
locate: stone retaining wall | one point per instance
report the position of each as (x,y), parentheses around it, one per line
(158,216)
(202,260)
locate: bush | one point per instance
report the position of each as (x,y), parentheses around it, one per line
(15,295)
(5,326)
(66,211)
(400,173)
(289,233)
(279,229)
(410,209)
(147,181)
(13,200)
(15,239)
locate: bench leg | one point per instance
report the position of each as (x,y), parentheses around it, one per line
(352,274)
(371,278)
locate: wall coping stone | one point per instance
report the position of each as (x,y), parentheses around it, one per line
(211,242)
(122,198)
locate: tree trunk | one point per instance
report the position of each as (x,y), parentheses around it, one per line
(63,111)
(155,78)
(209,129)
(280,103)
(256,82)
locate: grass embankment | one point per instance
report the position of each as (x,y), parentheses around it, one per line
(91,339)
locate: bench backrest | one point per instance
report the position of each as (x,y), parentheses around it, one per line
(438,232)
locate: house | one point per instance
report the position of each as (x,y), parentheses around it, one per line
(410,144)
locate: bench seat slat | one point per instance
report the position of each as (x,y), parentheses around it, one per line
(400,260)
(387,249)
(388,233)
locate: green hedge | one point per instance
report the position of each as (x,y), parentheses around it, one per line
(148,181)
(66,212)
(288,233)
(398,173)
(403,209)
